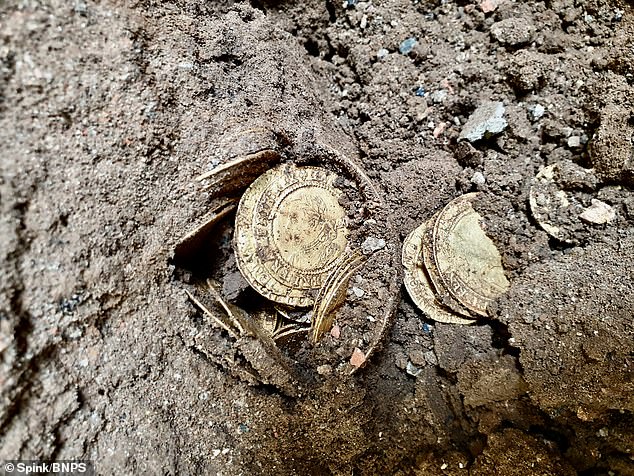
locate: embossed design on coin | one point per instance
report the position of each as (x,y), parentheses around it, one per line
(417,282)
(469,264)
(290,232)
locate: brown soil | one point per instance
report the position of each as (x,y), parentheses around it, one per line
(109,110)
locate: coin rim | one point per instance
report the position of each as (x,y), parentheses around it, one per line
(542,218)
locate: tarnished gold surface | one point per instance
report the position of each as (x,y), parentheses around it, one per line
(233,177)
(468,263)
(417,282)
(443,296)
(333,294)
(290,233)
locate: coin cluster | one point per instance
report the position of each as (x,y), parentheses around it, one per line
(453,270)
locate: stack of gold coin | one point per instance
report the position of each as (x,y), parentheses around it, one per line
(453,271)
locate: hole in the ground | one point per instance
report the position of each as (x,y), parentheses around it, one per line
(312,47)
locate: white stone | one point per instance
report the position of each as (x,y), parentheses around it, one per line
(598,213)
(372,244)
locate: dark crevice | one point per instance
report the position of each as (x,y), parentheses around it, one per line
(553,434)
(332,11)
(451,377)
(500,339)
(312,47)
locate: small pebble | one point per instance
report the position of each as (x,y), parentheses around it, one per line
(407,46)
(358,358)
(513,31)
(438,96)
(186,65)
(537,111)
(382,53)
(150,110)
(598,213)
(488,6)
(431,358)
(371,244)
(618,15)
(335,332)
(81,8)
(412,370)
(364,22)
(478,179)
(574,142)
(440,129)
(324,369)
(417,357)
(486,121)
(358,292)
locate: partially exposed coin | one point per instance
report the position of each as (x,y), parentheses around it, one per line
(333,293)
(417,282)
(556,212)
(443,296)
(469,264)
(290,233)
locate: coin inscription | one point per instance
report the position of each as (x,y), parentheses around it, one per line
(307,228)
(290,231)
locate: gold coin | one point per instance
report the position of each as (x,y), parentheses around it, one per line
(417,282)
(469,264)
(290,233)
(443,297)
(333,294)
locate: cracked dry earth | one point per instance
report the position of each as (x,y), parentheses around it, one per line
(110,109)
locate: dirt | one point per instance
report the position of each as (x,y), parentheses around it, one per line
(108,112)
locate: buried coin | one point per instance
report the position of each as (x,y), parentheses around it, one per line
(443,296)
(417,282)
(290,233)
(555,211)
(469,264)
